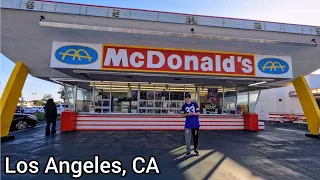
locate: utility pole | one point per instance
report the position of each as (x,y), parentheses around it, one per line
(34,94)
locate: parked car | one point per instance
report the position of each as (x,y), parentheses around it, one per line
(38,109)
(28,110)
(22,121)
(19,109)
(61,108)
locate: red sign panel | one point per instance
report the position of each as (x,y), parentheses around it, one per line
(145,59)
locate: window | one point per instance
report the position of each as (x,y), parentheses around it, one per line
(230,100)
(211,99)
(242,101)
(146,102)
(177,93)
(254,95)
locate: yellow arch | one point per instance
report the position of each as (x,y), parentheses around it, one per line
(274,65)
(308,104)
(10,96)
(76,54)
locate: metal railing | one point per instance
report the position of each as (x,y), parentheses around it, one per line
(122,13)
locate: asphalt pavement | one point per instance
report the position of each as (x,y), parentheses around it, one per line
(279,152)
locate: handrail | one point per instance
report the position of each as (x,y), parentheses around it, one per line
(157,16)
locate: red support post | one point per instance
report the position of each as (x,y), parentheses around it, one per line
(251,122)
(68,121)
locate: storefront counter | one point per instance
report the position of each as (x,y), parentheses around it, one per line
(118,121)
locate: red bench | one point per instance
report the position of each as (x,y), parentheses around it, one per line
(279,117)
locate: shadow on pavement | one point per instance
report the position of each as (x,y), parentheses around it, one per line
(277,153)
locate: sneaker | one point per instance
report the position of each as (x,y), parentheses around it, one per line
(188,154)
(197,152)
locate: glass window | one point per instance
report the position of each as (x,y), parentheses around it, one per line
(83,100)
(134,101)
(119,102)
(102,97)
(230,100)
(177,96)
(146,102)
(210,99)
(121,96)
(242,100)
(70,91)
(254,94)
(177,93)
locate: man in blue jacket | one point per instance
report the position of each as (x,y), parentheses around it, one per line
(191,111)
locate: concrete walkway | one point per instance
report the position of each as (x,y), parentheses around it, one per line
(279,152)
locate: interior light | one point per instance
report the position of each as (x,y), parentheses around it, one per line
(254,84)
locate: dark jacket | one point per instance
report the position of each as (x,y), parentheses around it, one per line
(51,110)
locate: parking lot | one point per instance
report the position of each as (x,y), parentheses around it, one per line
(279,152)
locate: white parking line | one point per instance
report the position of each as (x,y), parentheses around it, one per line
(36,127)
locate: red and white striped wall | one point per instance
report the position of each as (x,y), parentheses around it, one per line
(140,122)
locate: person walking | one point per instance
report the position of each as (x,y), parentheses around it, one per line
(191,111)
(51,116)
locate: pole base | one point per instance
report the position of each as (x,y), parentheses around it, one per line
(7,138)
(313,135)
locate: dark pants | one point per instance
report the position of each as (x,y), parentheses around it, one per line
(195,137)
(191,134)
(53,127)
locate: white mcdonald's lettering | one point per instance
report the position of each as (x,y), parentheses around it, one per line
(247,65)
(150,63)
(194,60)
(133,61)
(207,64)
(157,60)
(171,59)
(228,64)
(116,59)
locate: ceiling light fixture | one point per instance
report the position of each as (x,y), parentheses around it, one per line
(257,83)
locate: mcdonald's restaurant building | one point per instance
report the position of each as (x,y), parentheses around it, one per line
(129,69)
(135,87)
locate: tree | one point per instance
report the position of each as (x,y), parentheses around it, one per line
(45,98)
(37,103)
(62,93)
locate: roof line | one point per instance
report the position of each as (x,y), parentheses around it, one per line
(169,12)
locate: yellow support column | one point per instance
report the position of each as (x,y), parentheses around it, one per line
(11,95)
(309,105)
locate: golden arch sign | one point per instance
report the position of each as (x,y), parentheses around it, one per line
(76,55)
(273,66)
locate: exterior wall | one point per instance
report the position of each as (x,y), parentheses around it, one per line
(269,99)
(266,103)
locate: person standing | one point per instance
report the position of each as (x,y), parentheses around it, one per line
(51,116)
(191,111)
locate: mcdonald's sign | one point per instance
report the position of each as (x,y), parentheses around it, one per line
(76,55)
(146,59)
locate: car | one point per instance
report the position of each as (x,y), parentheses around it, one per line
(61,108)
(42,109)
(38,109)
(29,110)
(22,121)
(19,109)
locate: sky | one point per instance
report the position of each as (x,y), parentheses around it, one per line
(287,11)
